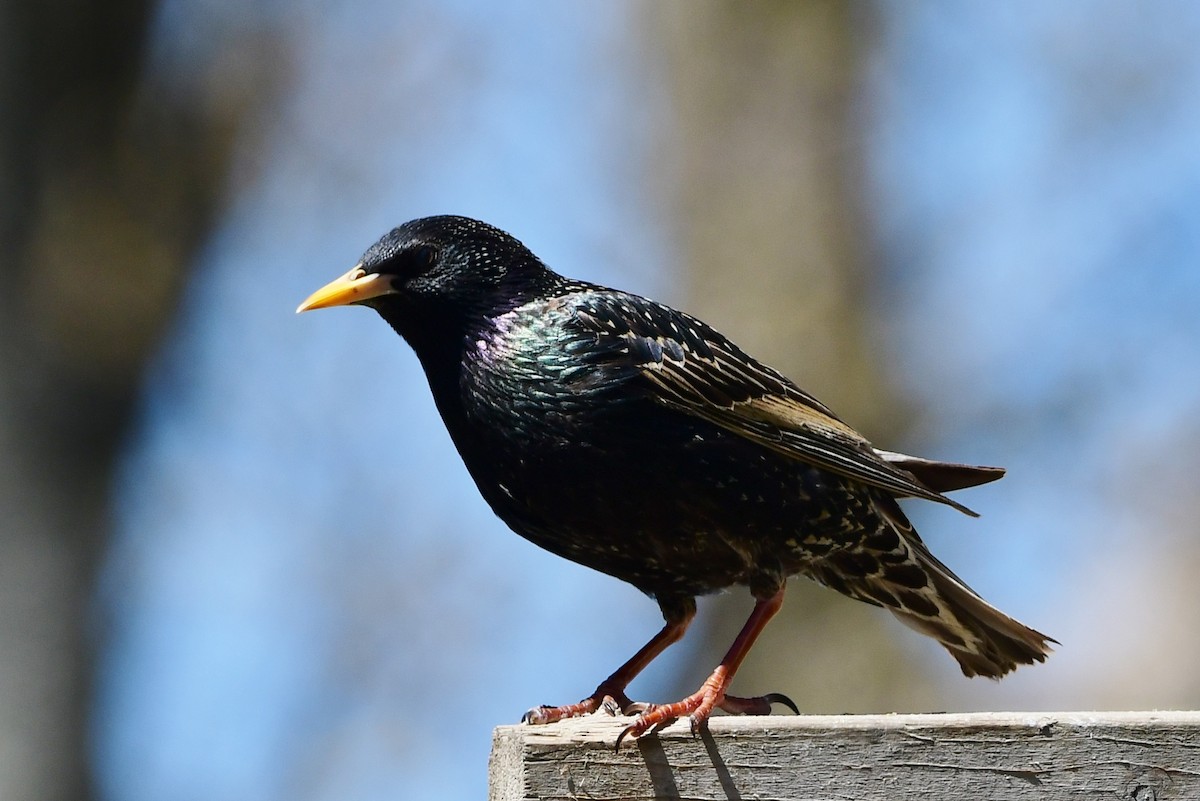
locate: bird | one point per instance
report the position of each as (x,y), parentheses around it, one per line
(635,439)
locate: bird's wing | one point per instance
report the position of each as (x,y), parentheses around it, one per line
(690,367)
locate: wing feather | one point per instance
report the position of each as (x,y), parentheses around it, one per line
(690,367)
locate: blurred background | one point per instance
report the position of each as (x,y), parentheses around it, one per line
(239,557)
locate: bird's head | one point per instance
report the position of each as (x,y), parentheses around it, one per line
(436,274)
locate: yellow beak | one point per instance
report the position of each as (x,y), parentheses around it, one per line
(353,287)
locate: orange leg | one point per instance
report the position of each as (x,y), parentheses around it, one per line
(700,704)
(614,686)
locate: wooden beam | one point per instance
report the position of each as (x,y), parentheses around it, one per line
(992,756)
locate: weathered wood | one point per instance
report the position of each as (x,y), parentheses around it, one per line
(1138,756)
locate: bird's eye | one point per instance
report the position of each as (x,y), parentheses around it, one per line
(424,257)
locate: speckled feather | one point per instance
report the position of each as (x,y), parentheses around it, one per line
(633,438)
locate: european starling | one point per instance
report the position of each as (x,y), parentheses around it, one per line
(634,439)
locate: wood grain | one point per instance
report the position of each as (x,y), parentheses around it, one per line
(1139,756)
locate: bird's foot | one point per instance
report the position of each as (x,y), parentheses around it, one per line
(610,701)
(699,707)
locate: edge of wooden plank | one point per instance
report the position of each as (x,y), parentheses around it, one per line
(600,727)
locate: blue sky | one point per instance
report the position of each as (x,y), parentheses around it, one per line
(290,493)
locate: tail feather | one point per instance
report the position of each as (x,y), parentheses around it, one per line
(892,568)
(984,640)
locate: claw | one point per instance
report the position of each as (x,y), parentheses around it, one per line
(610,703)
(641,724)
(541,715)
(538,715)
(760,705)
(609,706)
(780,698)
(620,737)
(698,707)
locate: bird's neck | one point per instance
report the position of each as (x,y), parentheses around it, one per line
(442,336)
(441,342)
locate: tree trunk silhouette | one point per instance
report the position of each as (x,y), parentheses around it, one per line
(107,182)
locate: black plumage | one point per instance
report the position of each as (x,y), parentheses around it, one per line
(633,438)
